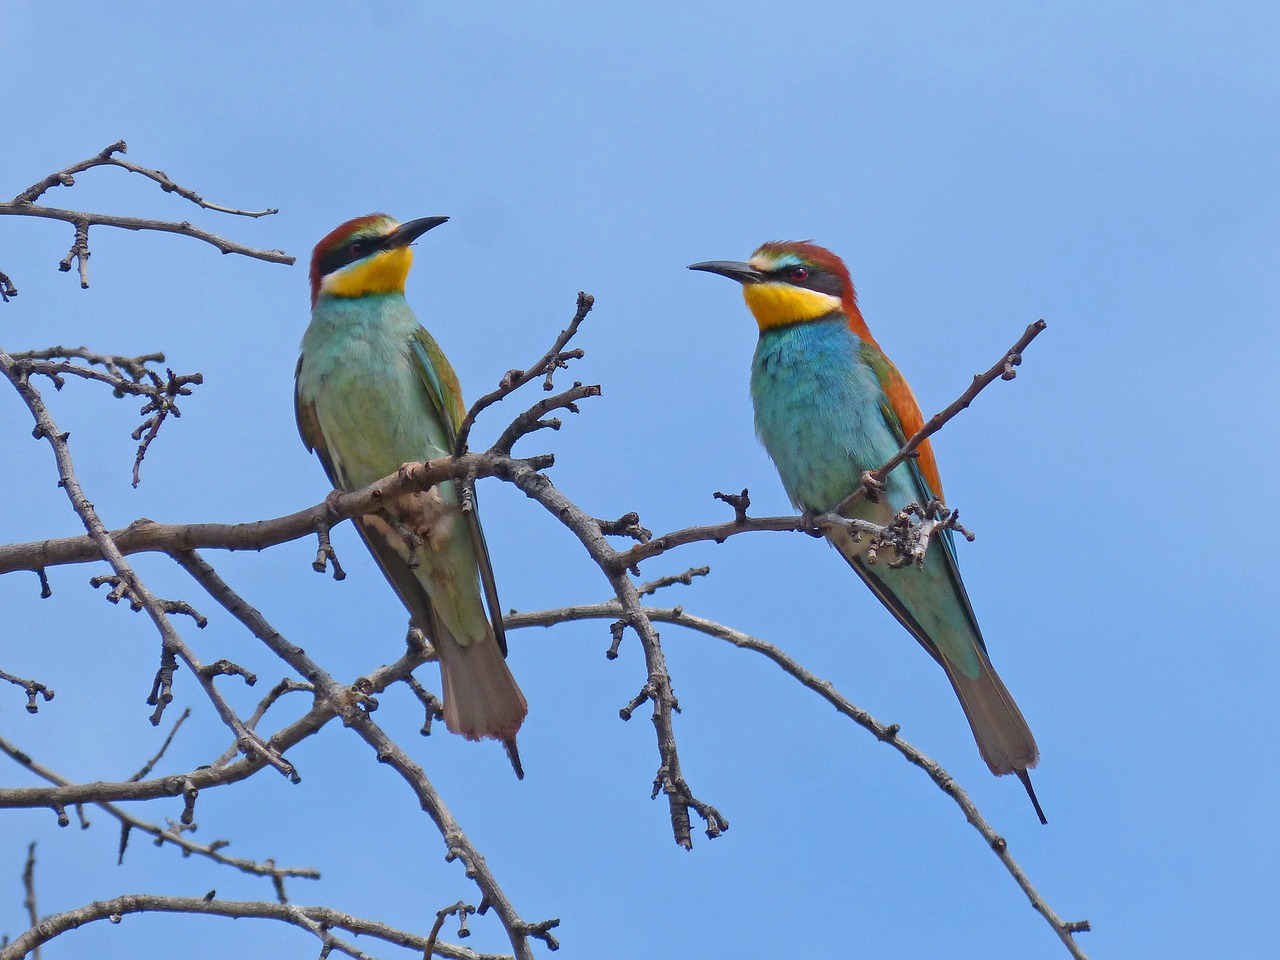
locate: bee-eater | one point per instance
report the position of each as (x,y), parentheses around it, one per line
(373,392)
(829,405)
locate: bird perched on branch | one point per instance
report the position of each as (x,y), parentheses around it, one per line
(830,406)
(374,392)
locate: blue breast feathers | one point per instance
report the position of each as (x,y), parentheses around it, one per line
(817,407)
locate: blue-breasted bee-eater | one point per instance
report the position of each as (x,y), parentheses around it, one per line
(829,405)
(373,392)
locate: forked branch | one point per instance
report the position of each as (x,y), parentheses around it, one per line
(24,205)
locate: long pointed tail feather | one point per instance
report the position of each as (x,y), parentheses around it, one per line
(513,755)
(1026,782)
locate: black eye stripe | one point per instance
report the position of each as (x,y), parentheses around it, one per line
(345,254)
(818,279)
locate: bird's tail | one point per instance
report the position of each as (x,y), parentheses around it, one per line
(481,697)
(932,605)
(1004,739)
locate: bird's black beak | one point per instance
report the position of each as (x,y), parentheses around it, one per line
(733,269)
(406,233)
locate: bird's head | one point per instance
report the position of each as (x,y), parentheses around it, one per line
(787,282)
(366,255)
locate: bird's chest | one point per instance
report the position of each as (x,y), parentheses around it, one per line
(370,401)
(818,411)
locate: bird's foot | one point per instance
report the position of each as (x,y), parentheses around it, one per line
(873,485)
(809,523)
(325,554)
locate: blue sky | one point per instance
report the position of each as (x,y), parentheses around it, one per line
(1109,167)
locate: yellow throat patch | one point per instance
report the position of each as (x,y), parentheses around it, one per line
(384,272)
(780,304)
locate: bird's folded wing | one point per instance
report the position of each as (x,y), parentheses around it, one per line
(445,395)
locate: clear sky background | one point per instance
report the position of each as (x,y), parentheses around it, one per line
(1111,167)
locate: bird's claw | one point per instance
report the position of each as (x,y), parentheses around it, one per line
(873,485)
(809,524)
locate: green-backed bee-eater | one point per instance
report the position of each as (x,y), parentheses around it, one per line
(829,405)
(374,392)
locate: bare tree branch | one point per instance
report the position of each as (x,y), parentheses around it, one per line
(266,703)
(130,376)
(220,774)
(34,688)
(150,764)
(29,891)
(354,704)
(83,221)
(147,536)
(162,835)
(172,642)
(24,205)
(657,687)
(317,921)
(107,157)
(554,359)
(653,586)
(885,733)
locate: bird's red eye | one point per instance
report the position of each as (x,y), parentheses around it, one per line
(799,273)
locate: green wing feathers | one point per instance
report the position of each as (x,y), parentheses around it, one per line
(932,603)
(439,577)
(445,393)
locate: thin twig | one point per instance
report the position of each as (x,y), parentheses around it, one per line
(653,586)
(554,359)
(279,690)
(1003,369)
(150,764)
(118,371)
(531,420)
(669,779)
(34,688)
(211,851)
(130,376)
(29,891)
(107,157)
